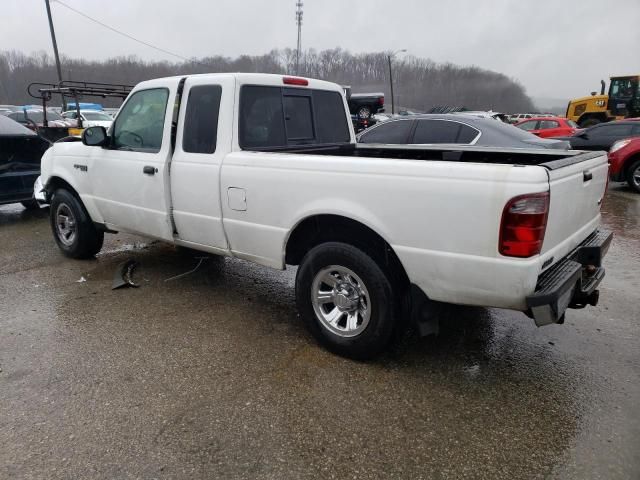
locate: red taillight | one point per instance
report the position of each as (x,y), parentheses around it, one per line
(295,81)
(524,221)
(381,101)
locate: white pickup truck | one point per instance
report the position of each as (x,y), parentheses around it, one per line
(265,168)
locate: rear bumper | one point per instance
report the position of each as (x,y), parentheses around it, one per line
(572,282)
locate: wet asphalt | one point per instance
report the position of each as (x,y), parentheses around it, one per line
(211,375)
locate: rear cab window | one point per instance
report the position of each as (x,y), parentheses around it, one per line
(272,117)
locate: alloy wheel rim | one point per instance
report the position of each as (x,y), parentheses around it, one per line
(636,177)
(66,225)
(341,301)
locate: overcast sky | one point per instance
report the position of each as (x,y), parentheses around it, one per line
(556,48)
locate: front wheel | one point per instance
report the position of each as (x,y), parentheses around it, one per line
(590,122)
(72,228)
(633,176)
(346,300)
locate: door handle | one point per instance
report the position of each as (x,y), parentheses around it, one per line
(586,176)
(149,170)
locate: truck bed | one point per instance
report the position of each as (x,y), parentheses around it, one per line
(551,159)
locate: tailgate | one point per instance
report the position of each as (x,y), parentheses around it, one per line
(576,186)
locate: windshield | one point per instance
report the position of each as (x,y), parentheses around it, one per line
(97,116)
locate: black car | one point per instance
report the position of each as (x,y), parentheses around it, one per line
(603,135)
(458,129)
(20,152)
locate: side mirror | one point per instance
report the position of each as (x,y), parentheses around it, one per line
(584,135)
(95,137)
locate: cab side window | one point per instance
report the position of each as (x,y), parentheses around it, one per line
(140,123)
(201,119)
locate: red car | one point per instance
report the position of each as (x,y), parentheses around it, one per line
(624,160)
(546,127)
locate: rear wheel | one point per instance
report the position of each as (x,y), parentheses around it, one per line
(589,122)
(346,300)
(72,228)
(633,176)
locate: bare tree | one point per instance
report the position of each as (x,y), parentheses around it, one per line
(419,83)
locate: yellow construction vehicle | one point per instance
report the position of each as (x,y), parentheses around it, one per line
(623,101)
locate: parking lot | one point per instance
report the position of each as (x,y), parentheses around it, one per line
(212,375)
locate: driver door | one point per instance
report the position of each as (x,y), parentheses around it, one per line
(129,178)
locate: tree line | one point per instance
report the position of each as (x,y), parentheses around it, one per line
(419,84)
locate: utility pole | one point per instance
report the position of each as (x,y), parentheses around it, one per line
(299,5)
(393,108)
(53,39)
(389,57)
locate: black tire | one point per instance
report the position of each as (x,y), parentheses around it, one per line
(633,176)
(590,122)
(31,204)
(85,240)
(364,112)
(383,306)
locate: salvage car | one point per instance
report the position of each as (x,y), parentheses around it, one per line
(266,168)
(547,127)
(454,128)
(603,135)
(624,161)
(486,114)
(35,118)
(20,153)
(89,118)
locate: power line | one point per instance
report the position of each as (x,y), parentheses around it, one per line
(126,34)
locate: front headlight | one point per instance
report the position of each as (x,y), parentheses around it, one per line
(619,144)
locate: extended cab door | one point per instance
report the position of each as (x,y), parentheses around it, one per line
(204,138)
(129,179)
